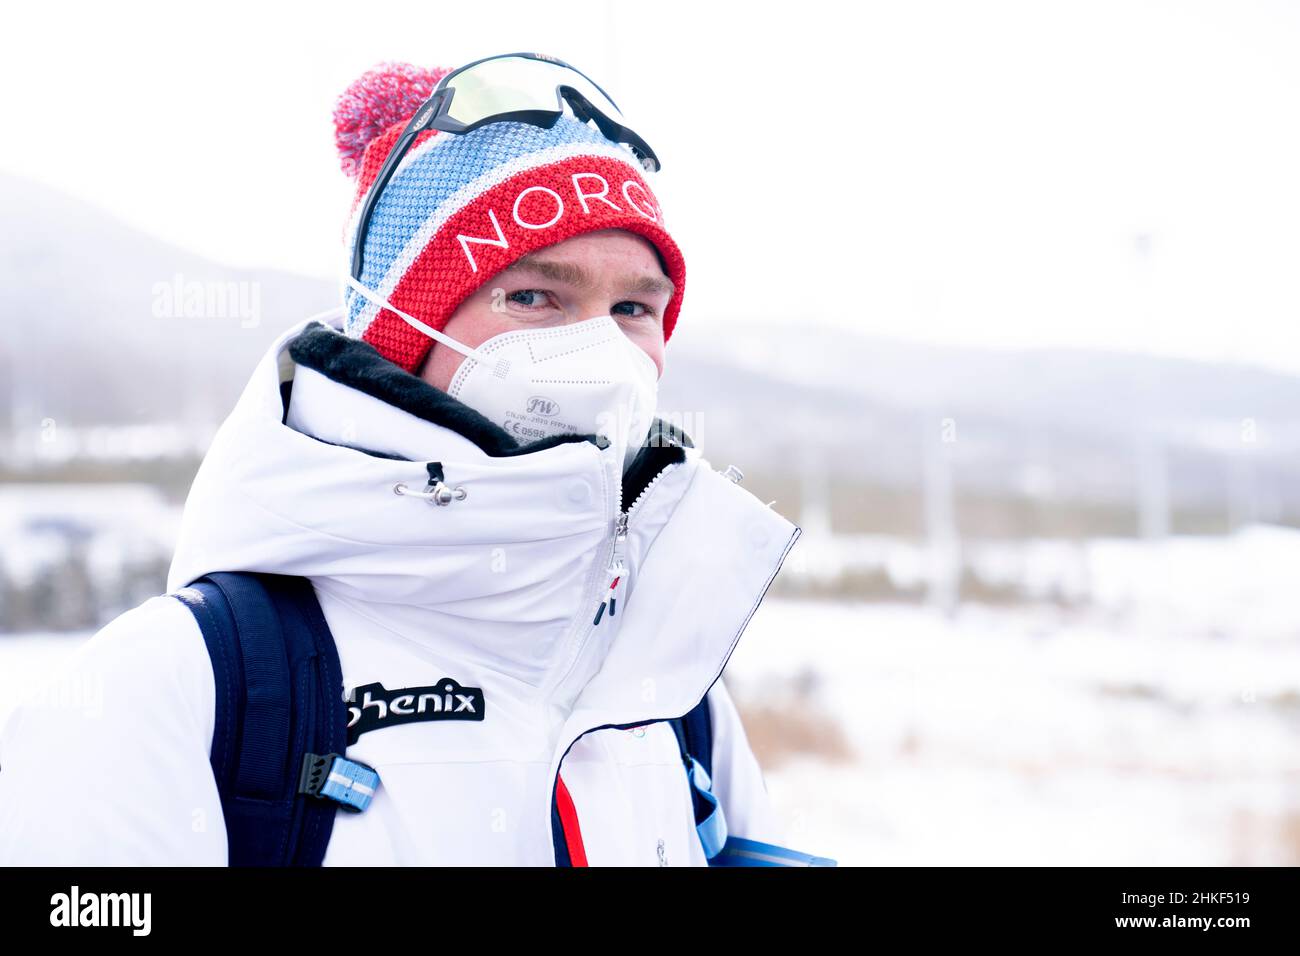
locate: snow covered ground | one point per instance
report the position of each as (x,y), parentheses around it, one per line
(1030,736)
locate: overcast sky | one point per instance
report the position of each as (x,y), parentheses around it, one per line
(956,172)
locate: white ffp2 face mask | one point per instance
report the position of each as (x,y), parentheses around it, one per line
(582,378)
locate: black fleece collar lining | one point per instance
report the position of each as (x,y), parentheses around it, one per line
(359,365)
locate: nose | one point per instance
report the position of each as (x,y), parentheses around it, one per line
(594,305)
(588,307)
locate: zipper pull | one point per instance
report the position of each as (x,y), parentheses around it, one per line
(617,569)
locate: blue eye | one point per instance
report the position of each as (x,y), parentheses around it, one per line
(647,314)
(525,292)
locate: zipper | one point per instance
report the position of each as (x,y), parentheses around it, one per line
(613,582)
(616,574)
(616,569)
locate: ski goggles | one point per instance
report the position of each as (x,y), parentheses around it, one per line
(519,87)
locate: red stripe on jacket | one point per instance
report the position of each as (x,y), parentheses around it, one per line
(569,821)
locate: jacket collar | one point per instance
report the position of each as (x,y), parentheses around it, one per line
(505,582)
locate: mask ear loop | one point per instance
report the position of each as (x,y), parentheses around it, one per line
(500,366)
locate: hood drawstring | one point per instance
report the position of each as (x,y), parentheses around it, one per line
(437,491)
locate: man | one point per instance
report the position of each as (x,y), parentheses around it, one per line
(525,574)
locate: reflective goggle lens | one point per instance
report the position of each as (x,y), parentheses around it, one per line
(510,83)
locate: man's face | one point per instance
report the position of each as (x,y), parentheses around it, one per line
(611,272)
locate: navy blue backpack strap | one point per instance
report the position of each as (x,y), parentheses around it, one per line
(695,734)
(279,707)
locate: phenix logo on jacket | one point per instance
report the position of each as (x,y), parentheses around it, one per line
(478,684)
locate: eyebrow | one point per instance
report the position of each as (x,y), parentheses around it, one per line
(574,274)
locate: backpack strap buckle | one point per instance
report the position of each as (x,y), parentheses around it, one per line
(350,783)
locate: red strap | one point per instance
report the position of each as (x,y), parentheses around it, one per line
(569,820)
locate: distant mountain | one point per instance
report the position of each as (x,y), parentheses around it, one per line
(82,343)
(82,338)
(1044,423)
(1091,391)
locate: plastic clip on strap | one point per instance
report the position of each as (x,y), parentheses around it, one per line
(333,777)
(710,823)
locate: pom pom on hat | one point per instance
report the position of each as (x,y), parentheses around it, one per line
(382,97)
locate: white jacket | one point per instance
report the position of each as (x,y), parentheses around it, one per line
(497,591)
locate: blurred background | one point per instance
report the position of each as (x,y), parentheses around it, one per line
(998,301)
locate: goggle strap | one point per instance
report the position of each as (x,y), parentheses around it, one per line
(428,330)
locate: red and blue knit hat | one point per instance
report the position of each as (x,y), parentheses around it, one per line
(460,208)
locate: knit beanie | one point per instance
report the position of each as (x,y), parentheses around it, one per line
(460,208)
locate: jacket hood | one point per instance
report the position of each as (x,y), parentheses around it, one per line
(501,579)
